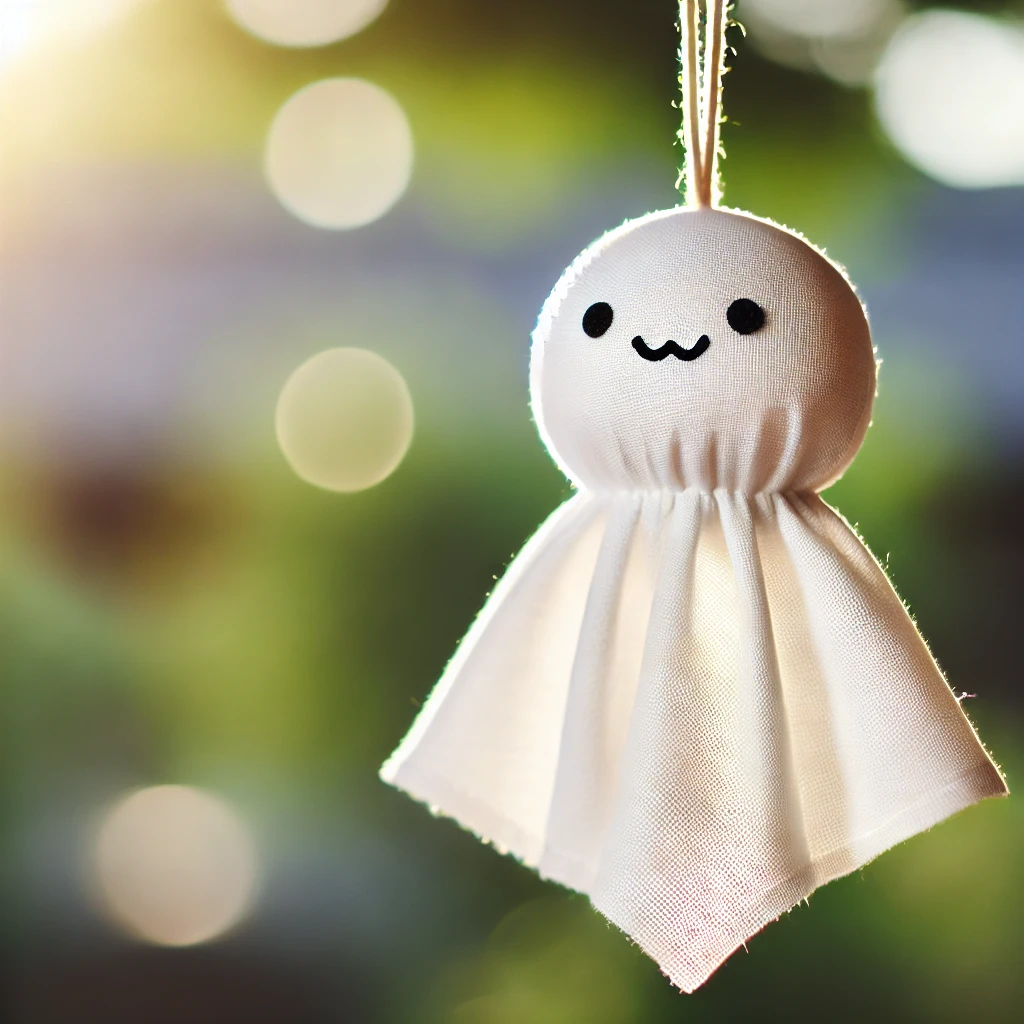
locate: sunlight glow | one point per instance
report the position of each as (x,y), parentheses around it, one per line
(949,92)
(345,419)
(26,24)
(304,22)
(174,865)
(339,153)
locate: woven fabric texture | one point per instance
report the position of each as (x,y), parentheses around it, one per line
(695,696)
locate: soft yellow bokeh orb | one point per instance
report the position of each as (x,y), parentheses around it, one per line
(817,19)
(339,153)
(949,92)
(174,865)
(304,22)
(345,419)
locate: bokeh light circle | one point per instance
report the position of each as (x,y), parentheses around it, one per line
(949,92)
(304,22)
(339,153)
(817,19)
(174,865)
(345,419)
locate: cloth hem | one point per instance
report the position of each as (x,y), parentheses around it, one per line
(688,972)
(684,970)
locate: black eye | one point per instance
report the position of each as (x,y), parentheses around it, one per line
(745,316)
(598,319)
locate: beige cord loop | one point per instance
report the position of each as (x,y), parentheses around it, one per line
(700,76)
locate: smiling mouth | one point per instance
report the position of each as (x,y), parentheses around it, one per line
(670,348)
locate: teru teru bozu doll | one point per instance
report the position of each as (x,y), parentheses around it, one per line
(695,696)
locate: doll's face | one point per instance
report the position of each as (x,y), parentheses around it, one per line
(702,348)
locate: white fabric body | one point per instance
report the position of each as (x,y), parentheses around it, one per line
(695,696)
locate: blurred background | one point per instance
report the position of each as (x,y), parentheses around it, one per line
(234,559)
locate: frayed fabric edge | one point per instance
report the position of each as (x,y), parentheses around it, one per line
(688,973)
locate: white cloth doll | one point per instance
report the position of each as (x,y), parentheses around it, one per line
(695,696)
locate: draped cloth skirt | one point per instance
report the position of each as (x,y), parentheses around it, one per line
(695,708)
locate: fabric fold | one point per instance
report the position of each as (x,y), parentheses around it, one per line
(708,844)
(484,748)
(904,755)
(695,707)
(600,699)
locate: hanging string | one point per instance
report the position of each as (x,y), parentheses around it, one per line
(714,57)
(693,172)
(701,71)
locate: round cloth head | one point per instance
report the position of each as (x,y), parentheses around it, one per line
(703,348)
